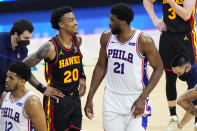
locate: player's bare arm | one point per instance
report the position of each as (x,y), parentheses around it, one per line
(148,5)
(98,74)
(79,40)
(33,109)
(186,99)
(82,81)
(148,49)
(46,51)
(184,12)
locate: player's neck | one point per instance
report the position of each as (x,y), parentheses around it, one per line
(18,93)
(125,34)
(65,39)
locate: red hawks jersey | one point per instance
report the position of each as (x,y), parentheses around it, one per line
(64,72)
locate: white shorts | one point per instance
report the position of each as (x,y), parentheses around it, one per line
(117,114)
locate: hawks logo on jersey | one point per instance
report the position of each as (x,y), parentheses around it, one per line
(69,61)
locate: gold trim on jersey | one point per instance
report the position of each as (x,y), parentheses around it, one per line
(49,99)
(194,41)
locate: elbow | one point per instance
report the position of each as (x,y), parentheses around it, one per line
(160,69)
(186,18)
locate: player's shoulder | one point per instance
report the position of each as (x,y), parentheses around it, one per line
(145,38)
(105,36)
(32,100)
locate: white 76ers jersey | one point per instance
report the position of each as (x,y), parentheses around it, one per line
(126,67)
(13,117)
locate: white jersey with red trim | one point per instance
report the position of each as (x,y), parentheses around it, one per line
(13,117)
(126,67)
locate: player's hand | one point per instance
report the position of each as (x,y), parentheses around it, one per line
(89,110)
(82,87)
(160,24)
(138,107)
(53,92)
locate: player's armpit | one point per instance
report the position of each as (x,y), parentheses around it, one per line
(34,110)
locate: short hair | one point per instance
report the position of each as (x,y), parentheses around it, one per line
(21,70)
(22,25)
(123,12)
(57,14)
(180,60)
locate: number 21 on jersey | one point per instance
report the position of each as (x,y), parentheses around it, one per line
(119,68)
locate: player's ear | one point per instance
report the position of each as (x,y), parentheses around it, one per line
(188,68)
(16,35)
(60,25)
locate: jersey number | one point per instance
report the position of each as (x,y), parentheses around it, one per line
(119,68)
(172,15)
(71,76)
(8,126)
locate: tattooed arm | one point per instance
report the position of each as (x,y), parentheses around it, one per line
(79,40)
(185,101)
(47,51)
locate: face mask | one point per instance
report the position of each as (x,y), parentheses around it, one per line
(23,43)
(184,76)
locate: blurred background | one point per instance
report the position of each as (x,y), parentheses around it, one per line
(92,15)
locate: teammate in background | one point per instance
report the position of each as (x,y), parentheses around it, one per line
(13,46)
(123,58)
(182,67)
(63,71)
(20,108)
(178,36)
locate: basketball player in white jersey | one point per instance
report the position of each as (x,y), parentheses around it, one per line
(122,61)
(21,110)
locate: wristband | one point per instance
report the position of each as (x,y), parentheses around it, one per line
(41,88)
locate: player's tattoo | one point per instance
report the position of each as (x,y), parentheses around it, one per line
(191,109)
(33,81)
(79,40)
(39,55)
(35,58)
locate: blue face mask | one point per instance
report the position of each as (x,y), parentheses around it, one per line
(184,76)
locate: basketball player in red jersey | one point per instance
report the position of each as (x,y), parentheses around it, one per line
(63,71)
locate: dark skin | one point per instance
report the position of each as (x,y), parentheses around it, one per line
(146,47)
(68,27)
(185,101)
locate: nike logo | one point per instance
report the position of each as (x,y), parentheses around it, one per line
(113,42)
